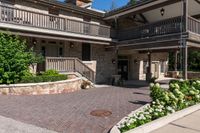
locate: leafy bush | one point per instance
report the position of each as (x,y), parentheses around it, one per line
(181,94)
(15,58)
(50,73)
(42,78)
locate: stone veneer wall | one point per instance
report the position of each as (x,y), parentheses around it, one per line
(104,66)
(65,86)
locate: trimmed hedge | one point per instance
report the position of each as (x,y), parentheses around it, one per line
(43,78)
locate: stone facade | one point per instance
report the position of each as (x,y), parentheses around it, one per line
(42,88)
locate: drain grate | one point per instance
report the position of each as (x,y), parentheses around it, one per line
(101,113)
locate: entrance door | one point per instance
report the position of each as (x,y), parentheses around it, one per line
(123,69)
(86,52)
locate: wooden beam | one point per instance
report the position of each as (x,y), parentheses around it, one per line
(196,16)
(197,1)
(144,18)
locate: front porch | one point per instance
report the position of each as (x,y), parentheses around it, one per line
(91,61)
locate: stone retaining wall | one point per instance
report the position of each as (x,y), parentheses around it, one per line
(65,86)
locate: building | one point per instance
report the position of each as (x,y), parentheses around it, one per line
(97,45)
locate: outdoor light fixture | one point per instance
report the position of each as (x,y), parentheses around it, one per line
(71,45)
(162,11)
(136,61)
(34,42)
(113,61)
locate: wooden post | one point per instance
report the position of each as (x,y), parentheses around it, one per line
(185,61)
(149,74)
(176,60)
(184,41)
(116,60)
(185,15)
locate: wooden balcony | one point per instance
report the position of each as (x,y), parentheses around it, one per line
(46,21)
(194,25)
(169,26)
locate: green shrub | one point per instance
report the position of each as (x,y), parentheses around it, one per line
(181,94)
(50,73)
(42,78)
(15,58)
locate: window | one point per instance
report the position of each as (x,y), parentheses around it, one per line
(10,2)
(53,11)
(60,52)
(6,13)
(43,51)
(86,28)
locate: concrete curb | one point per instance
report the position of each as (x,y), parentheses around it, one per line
(149,127)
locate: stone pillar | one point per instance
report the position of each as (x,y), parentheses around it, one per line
(149,74)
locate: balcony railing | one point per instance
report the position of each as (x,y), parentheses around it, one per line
(51,22)
(64,64)
(194,25)
(164,27)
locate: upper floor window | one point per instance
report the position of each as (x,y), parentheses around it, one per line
(8,2)
(86,27)
(53,11)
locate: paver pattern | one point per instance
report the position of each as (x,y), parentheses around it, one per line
(70,113)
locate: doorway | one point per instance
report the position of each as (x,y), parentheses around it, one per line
(86,52)
(123,69)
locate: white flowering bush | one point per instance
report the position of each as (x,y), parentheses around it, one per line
(181,94)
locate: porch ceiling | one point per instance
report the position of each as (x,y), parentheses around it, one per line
(140,8)
(151,10)
(173,10)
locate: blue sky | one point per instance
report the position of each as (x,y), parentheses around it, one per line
(106,4)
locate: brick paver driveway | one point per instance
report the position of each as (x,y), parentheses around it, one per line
(70,113)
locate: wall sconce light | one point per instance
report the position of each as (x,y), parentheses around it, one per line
(135,61)
(34,42)
(71,45)
(162,11)
(113,61)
